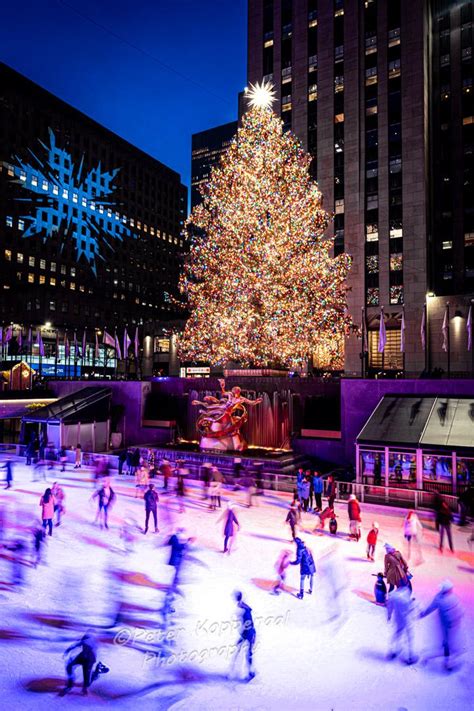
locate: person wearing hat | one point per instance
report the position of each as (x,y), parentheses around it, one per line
(450,614)
(353,509)
(396,569)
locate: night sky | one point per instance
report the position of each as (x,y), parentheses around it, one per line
(106,57)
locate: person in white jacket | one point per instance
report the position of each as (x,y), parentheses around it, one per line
(413,530)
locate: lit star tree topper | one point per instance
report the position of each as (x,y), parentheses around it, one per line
(260,282)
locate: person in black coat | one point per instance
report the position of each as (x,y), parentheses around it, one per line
(30,451)
(86,658)
(8,466)
(151,503)
(178,549)
(122,458)
(304,558)
(229,527)
(291,519)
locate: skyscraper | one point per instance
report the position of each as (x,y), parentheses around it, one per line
(207,148)
(362,85)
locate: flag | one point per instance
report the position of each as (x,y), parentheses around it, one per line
(108,340)
(118,352)
(77,351)
(67,349)
(8,334)
(136,343)
(402,333)
(19,338)
(1,335)
(382,332)
(29,340)
(57,345)
(40,343)
(126,343)
(423,328)
(445,331)
(469,329)
(363,328)
(84,343)
(96,349)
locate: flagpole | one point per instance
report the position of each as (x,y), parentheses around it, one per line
(56,355)
(427,363)
(448,340)
(362,343)
(104,345)
(472,333)
(39,354)
(403,364)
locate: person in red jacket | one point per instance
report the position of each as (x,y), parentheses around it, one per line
(372,540)
(353,509)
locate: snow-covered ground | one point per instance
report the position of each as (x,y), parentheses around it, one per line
(304,660)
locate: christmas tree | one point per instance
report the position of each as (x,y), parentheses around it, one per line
(261,284)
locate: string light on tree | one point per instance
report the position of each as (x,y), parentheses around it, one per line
(260,281)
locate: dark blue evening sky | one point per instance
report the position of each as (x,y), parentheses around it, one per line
(91,64)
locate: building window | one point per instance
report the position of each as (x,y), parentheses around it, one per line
(392,357)
(8,255)
(312,92)
(52,305)
(31,261)
(313,63)
(394,37)
(447,244)
(19,257)
(371,44)
(444,60)
(52,281)
(31,278)
(42,263)
(372,233)
(72,286)
(34,180)
(9,221)
(396,262)
(372,201)
(370,76)
(372,296)
(42,279)
(339,206)
(53,266)
(394,69)
(372,264)
(396,294)
(338,84)
(21,225)
(44,185)
(339,118)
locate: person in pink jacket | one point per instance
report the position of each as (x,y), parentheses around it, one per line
(47,503)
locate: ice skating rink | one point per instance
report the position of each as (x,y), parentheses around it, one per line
(327,652)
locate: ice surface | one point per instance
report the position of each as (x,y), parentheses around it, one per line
(304,660)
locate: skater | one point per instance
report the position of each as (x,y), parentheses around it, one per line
(59,498)
(248,635)
(206,479)
(444,520)
(450,614)
(318,491)
(229,527)
(122,458)
(141,481)
(400,607)
(86,659)
(105,497)
(305,494)
(165,470)
(42,446)
(372,541)
(412,532)
(180,490)
(380,589)
(39,539)
(281,565)
(178,548)
(331,491)
(18,562)
(309,477)
(305,560)
(78,457)
(151,503)
(396,568)
(62,454)
(291,519)
(215,493)
(8,466)
(47,503)
(30,451)
(353,509)
(299,483)
(328,513)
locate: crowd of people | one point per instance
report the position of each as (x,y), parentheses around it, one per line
(157,482)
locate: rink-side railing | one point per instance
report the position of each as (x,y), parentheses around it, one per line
(286,483)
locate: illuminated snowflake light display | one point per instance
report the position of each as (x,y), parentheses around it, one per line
(68,201)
